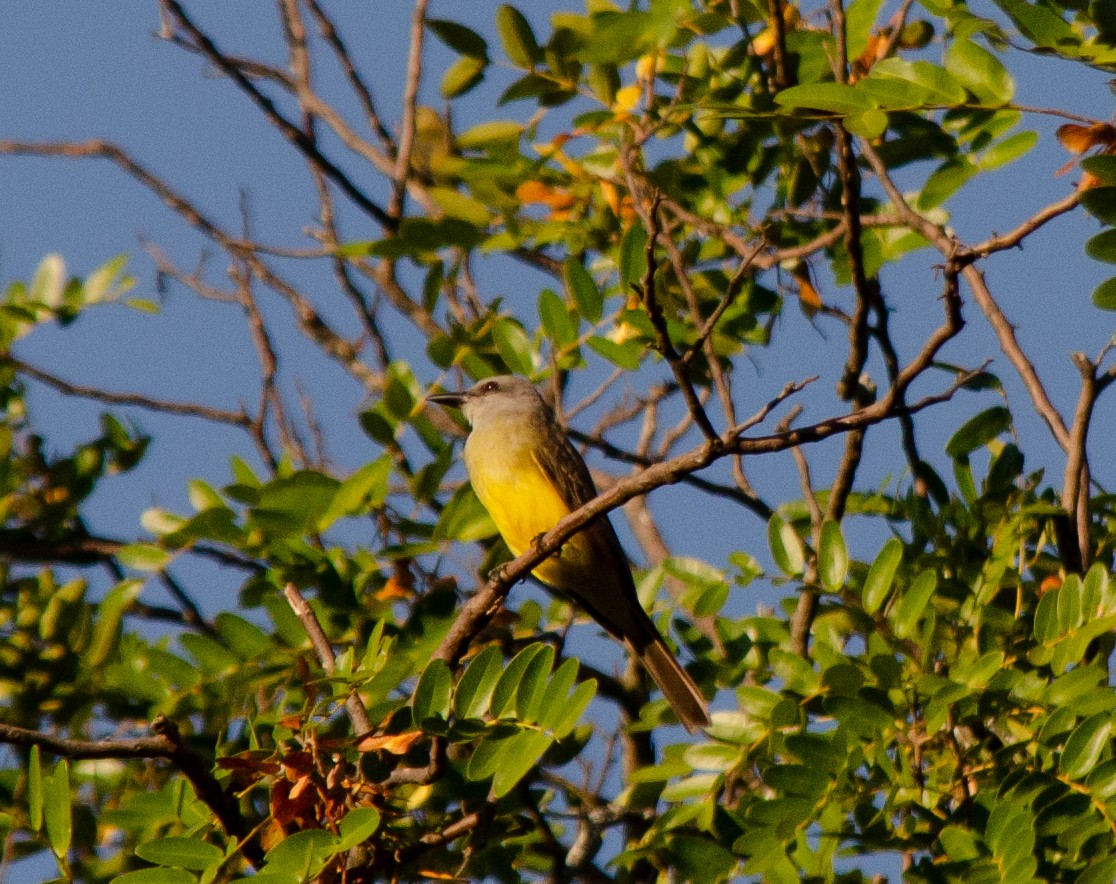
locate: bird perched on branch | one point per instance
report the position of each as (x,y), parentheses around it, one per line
(528,476)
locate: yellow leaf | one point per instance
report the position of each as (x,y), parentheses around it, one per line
(627,98)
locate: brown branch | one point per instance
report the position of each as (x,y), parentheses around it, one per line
(296,136)
(1013,238)
(662,335)
(354,706)
(1075,484)
(411,85)
(732,291)
(778,26)
(881,331)
(330,34)
(752,502)
(139,400)
(310,321)
(802,621)
(955,252)
(168,745)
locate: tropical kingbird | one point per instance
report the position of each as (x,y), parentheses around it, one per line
(528,476)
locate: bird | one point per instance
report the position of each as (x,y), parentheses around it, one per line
(528,476)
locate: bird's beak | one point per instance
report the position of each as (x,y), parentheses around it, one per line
(447,400)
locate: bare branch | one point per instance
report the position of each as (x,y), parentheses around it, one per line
(410,107)
(167,744)
(139,400)
(354,706)
(289,130)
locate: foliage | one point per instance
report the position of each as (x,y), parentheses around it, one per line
(676,173)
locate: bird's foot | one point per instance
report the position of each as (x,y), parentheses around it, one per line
(536,543)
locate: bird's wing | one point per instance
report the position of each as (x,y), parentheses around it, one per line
(610,596)
(563,466)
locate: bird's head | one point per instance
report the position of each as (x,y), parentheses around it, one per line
(503,397)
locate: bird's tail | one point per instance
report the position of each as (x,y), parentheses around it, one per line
(675,683)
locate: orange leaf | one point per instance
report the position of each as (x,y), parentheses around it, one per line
(1054,581)
(1078,139)
(808,298)
(540,192)
(396,744)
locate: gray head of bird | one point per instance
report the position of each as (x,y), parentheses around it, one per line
(502,397)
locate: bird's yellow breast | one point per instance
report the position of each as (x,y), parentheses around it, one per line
(519,496)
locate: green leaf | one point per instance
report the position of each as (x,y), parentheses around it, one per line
(895,93)
(504,694)
(357,826)
(712,756)
(867,124)
(557,322)
(1102,167)
(487,757)
(1100,202)
(833,556)
(529,694)
(514,346)
(212,658)
(464,518)
(1008,150)
(295,503)
(465,41)
(522,753)
(35,789)
(560,725)
(633,258)
(363,490)
(786,546)
(58,809)
(244,638)
(431,698)
(183,853)
(627,355)
(1085,745)
(960,844)
(838,98)
(1102,247)
(945,181)
(978,431)
(143,557)
(110,614)
(302,854)
(474,690)
(940,86)
(456,204)
(703,859)
(906,614)
(979,71)
(1039,24)
(49,282)
(518,38)
(107,282)
(1070,596)
(877,584)
(157,876)
(462,75)
(583,290)
(1105,295)
(489,133)
(556,695)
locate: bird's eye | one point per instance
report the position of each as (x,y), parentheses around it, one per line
(490,387)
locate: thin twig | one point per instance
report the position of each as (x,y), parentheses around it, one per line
(354,706)
(166,744)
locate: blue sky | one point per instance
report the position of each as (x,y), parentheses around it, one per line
(80,70)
